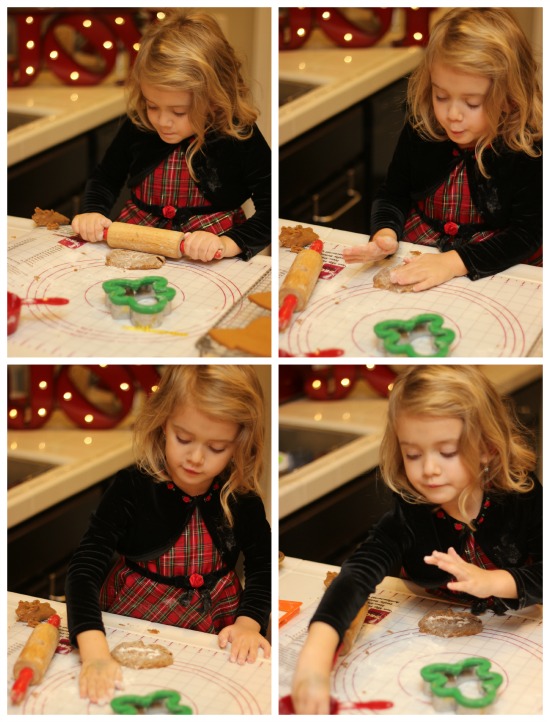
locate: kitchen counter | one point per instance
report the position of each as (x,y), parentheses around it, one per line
(62,112)
(201,672)
(80,459)
(385,660)
(341,76)
(364,414)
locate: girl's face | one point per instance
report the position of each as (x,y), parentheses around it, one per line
(167,111)
(198,448)
(432,461)
(458,101)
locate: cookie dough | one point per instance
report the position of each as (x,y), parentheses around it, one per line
(51,219)
(297,236)
(382,280)
(139,655)
(446,623)
(133,260)
(33,612)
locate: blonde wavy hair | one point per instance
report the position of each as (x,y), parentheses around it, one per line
(487,42)
(492,438)
(224,392)
(188,52)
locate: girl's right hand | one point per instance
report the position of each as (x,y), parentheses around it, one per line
(99,678)
(311,683)
(90,226)
(383,243)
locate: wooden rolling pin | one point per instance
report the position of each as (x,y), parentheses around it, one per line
(35,657)
(299,282)
(147,239)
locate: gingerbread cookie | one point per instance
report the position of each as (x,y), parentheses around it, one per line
(262,299)
(254,339)
(33,612)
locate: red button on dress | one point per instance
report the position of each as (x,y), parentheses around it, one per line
(169,211)
(450,228)
(196,580)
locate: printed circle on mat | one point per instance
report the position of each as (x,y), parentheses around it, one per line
(484,326)
(203,295)
(389,668)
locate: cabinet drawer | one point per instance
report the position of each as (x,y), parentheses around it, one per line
(48,179)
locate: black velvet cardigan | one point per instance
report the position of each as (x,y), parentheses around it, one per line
(510,200)
(229,172)
(141,519)
(510,535)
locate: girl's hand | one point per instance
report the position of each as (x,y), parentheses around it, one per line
(383,243)
(311,683)
(204,246)
(245,639)
(99,678)
(472,579)
(429,270)
(90,226)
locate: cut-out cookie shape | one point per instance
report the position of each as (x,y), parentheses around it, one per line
(397,335)
(135,704)
(444,681)
(144,301)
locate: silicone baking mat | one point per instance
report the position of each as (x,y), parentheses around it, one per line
(498,316)
(205,678)
(385,662)
(44,263)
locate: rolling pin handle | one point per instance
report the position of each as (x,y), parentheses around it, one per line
(54,620)
(286,310)
(20,686)
(317,246)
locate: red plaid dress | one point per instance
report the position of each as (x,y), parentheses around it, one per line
(170,186)
(450,206)
(131,594)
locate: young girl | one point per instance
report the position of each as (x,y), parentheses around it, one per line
(178,521)
(466,176)
(467,521)
(190,150)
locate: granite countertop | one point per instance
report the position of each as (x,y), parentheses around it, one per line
(80,458)
(343,77)
(62,112)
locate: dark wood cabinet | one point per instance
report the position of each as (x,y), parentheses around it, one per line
(56,177)
(40,548)
(328,175)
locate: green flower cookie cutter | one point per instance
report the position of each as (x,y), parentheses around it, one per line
(396,335)
(442,679)
(132,704)
(145,301)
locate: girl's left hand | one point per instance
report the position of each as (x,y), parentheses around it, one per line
(204,246)
(245,639)
(429,270)
(469,578)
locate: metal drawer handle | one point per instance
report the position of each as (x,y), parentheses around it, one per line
(354,198)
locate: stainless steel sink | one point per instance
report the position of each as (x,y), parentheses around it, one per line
(21,470)
(304,445)
(291,89)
